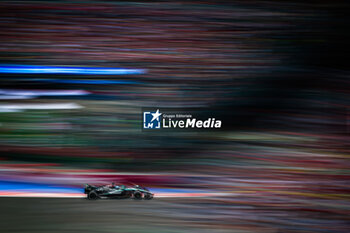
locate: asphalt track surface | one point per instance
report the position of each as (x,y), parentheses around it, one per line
(80,215)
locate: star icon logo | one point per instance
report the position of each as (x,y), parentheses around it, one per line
(151,119)
(156,115)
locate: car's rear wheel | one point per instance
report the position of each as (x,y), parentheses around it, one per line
(138,195)
(93,195)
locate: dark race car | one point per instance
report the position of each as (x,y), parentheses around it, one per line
(117,192)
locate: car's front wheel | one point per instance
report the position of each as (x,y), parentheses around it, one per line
(93,195)
(148,197)
(138,195)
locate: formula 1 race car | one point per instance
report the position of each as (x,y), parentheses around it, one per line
(117,192)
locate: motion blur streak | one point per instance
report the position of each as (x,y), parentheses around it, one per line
(75,76)
(42,92)
(41,106)
(67,70)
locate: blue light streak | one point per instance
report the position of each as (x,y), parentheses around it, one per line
(26,69)
(87,81)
